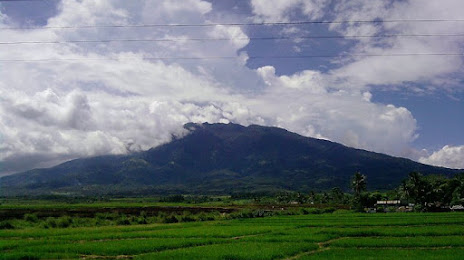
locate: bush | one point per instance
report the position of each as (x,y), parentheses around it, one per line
(6,225)
(312,211)
(245,214)
(31,218)
(170,219)
(329,210)
(186,217)
(259,213)
(122,220)
(304,211)
(64,222)
(173,198)
(49,223)
(107,216)
(140,220)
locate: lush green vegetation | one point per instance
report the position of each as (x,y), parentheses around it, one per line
(313,236)
(284,225)
(427,193)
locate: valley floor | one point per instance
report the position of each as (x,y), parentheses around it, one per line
(326,236)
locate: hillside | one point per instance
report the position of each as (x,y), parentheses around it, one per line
(220,159)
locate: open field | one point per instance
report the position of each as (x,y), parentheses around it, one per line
(332,236)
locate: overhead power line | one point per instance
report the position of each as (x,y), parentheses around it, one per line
(229,39)
(235,24)
(236,57)
(26,0)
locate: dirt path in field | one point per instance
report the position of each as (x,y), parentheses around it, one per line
(253,235)
(412,247)
(322,246)
(106,257)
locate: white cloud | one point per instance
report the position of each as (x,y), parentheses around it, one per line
(361,71)
(448,156)
(381,70)
(303,103)
(238,38)
(278,11)
(110,99)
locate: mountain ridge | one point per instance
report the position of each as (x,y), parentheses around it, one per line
(221,159)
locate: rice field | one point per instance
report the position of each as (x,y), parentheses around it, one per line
(325,236)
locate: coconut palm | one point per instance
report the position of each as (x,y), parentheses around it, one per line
(358,183)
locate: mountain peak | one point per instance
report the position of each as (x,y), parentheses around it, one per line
(221,159)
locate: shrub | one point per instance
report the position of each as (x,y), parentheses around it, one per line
(169,219)
(329,210)
(49,223)
(31,218)
(64,222)
(107,216)
(186,217)
(140,220)
(313,211)
(259,213)
(419,208)
(6,225)
(123,220)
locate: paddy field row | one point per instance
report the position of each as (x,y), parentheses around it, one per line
(325,236)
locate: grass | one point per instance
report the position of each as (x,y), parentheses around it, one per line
(402,242)
(235,250)
(322,236)
(381,254)
(12,203)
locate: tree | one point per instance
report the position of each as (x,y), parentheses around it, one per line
(436,191)
(418,188)
(336,195)
(358,183)
(432,192)
(404,190)
(456,188)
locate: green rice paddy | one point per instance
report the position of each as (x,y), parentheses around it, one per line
(325,236)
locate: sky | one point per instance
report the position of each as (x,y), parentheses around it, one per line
(62,99)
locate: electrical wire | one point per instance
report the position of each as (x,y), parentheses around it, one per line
(230,39)
(234,24)
(237,57)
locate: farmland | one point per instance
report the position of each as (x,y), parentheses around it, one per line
(341,234)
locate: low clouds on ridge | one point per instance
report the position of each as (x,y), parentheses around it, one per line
(110,99)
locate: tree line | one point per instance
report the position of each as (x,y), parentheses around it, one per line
(423,193)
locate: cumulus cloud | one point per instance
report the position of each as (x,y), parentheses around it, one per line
(279,11)
(303,103)
(384,70)
(448,156)
(380,69)
(114,98)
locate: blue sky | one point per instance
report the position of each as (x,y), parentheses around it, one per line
(111,98)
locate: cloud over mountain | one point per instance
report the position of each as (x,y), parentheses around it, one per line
(449,156)
(113,97)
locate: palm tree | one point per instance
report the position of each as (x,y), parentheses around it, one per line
(358,183)
(405,190)
(457,189)
(417,185)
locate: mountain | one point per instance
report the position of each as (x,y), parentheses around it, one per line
(221,159)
